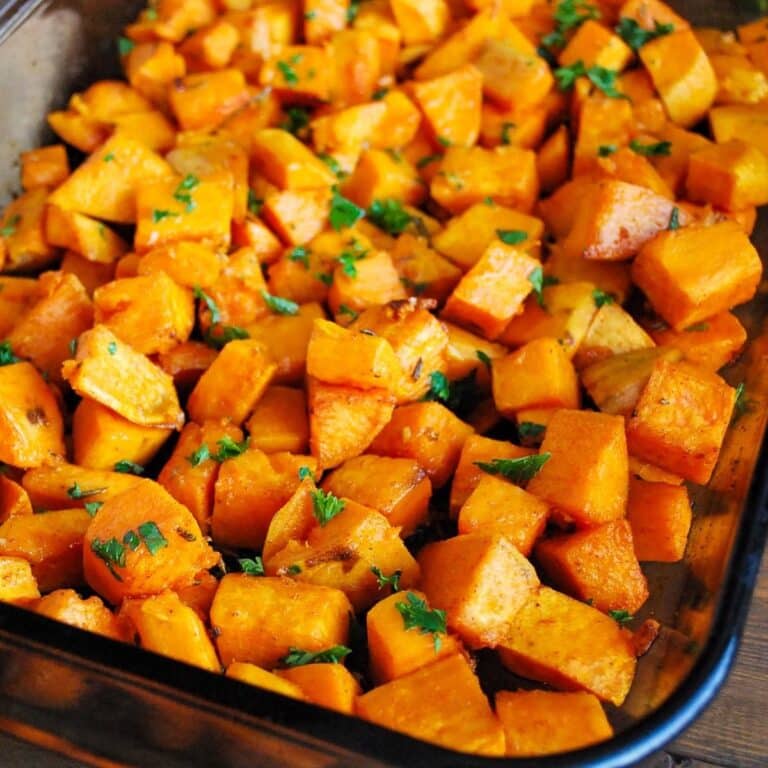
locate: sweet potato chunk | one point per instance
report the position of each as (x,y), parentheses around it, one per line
(480,580)
(680,421)
(279,421)
(167,626)
(142,542)
(90,614)
(544,722)
(23,245)
(14,500)
(287,163)
(115,375)
(17,583)
(394,650)
(30,418)
(660,516)
(597,565)
(327,685)
(587,476)
(253,675)
(202,101)
(91,239)
(51,542)
(44,167)
(441,703)
(571,646)
(260,619)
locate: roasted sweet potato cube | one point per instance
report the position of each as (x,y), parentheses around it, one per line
(186,363)
(681,419)
(399,124)
(23,245)
(91,614)
(372,280)
(470,175)
(17,295)
(736,121)
(553,160)
(627,165)
(682,75)
(441,703)
(451,105)
(711,344)
(91,274)
(30,418)
(380,175)
(401,492)
(287,163)
(293,521)
(467,236)
(233,384)
(507,126)
(594,44)
(14,500)
(598,566)
(101,437)
(481,580)
(464,352)
(259,620)
(343,420)
(731,175)
(80,131)
(105,185)
(493,291)
(44,167)
(297,215)
(660,517)
(468,474)
(190,473)
(250,488)
(153,314)
(356,65)
(571,646)
(44,334)
(84,235)
(393,649)
(188,263)
(693,273)
(538,375)
(547,722)
(615,219)
(498,506)
(202,101)
(343,552)
(586,477)
(167,626)
(115,375)
(280,422)
(17,583)
(421,22)
(142,542)
(269,681)
(51,542)
(602,122)
(151,67)
(331,686)
(322,18)
(299,73)
(427,432)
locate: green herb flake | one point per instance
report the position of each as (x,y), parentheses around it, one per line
(306,472)
(674,219)
(439,387)
(601,298)
(251,566)
(423,162)
(517,471)
(636,37)
(293,569)
(622,618)
(6,354)
(383,581)
(443,141)
(659,149)
(353,10)
(697,328)
(298,658)
(333,164)
(132,540)
(511,236)
(125,45)
(349,312)
(416,615)
(279,305)
(9,228)
(530,431)
(229,448)
(536,279)
(603,79)
(255,204)
(483,358)
(213,308)
(111,552)
(152,537)
(76,492)
(150,14)
(569,15)
(506,133)
(223,334)
(390,216)
(92,507)
(417,288)
(742,404)
(287,70)
(159,215)
(489,201)
(326,506)
(300,254)
(108,158)
(606,150)
(183,192)
(112,348)
(379,94)
(344,213)
(129,467)
(310,15)
(296,120)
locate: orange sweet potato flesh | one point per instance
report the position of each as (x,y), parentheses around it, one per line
(14,500)
(327,685)
(17,583)
(90,613)
(441,703)
(253,675)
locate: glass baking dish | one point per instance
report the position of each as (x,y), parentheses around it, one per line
(104,703)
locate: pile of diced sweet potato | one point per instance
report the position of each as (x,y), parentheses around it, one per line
(409,314)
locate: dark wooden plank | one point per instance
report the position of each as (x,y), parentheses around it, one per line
(732,731)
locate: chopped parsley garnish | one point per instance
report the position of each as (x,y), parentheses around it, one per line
(348,311)
(152,537)
(606,150)
(213,308)
(622,618)
(390,216)
(416,615)
(310,15)
(125,45)
(530,431)
(333,164)
(183,192)
(344,213)
(483,358)
(6,354)
(293,569)
(347,261)
(636,37)
(603,79)
(742,404)
(442,140)
(674,219)
(511,236)
(353,10)
(92,507)
(458,396)
(601,298)
(439,387)
(569,15)
(298,658)
(132,540)
(300,254)
(296,120)
(427,160)
(379,94)
(255,204)
(129,467)
(306,472)
(158,215)
(112,348)
(506,133)
(697,328)
(109,157)
(229,448)
(659,149)
(111,552)
(279,305)
(251,566)
(287,69)
(9,228)
(199,456)
(223,335)
(417,287)
(516,470)
(392,581)
(76,492)
(326,506)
